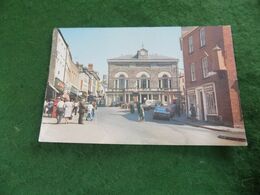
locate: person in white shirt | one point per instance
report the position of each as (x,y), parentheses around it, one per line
(90,112)
(68,105)
(60,110)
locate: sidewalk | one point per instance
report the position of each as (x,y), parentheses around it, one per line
(229,133)
(208,125)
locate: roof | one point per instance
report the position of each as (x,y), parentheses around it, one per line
(150,57)
(187,30)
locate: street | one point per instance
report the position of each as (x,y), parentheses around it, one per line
(113,125)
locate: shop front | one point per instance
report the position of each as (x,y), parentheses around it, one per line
(59,85)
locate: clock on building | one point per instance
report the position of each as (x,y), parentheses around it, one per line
(143,52)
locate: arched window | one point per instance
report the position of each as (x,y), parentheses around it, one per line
(121,81)
(143,81)
(165,81)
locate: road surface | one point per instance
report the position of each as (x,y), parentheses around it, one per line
(113,125)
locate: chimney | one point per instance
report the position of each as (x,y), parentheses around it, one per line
(90,67)
(218,59)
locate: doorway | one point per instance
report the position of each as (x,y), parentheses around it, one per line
(144,98)
(201,106)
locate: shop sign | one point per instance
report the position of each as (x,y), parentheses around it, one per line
(59,85)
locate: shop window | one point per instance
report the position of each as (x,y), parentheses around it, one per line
(211,103)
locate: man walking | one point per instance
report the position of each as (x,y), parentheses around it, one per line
(90,112)
(76,105)
(140,110)
(82,109)
(60,110)
(193,112)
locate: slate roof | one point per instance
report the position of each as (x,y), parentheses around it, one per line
(149,57)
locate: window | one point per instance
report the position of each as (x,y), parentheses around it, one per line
(204,63)
(202,37)
(160,84)
(192,71)
(126,85)
(148,84)
(211,103)
(143,82)
(121,82)
(190,44)
(137,84)
(115,84)
(165,81)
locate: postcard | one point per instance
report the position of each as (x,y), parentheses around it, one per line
(143,86)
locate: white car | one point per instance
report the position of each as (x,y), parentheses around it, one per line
(150,104)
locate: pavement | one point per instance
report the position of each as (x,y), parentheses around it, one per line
(237,134)
(113,125)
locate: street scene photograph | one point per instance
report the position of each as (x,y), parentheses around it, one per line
(143,86)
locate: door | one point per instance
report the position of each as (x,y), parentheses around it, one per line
(202,113)
(144,98)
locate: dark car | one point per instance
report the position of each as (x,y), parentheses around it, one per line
(161,112)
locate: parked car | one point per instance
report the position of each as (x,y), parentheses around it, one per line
(116,104)
(161,112)
(151,104)
(172,109)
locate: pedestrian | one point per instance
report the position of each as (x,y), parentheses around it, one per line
(50,108)
(140,111)
(76,106)
(82,110)
(54,108)
(60,110)
(193,112)
(45,107)
(94,104)
(68,105)
(132,108)
(90,112)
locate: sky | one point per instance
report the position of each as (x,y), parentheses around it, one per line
(96,45)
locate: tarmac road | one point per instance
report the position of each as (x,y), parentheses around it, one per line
(113,125)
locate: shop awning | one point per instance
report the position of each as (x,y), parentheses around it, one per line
(53,88)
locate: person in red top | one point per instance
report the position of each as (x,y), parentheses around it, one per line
(54,110)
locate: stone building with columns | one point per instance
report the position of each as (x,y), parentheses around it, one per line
(143,76)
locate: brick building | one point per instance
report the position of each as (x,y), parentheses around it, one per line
(142,75)
(210,74)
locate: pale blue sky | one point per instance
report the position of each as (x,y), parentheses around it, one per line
(96,45)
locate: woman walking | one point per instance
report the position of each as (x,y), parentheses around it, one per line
(68,105)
